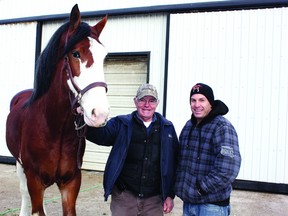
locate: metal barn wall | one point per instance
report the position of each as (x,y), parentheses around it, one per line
(243,55)
(17,68)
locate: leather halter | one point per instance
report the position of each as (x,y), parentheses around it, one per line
(75,101)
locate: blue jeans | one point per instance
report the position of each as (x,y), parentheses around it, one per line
(205,210)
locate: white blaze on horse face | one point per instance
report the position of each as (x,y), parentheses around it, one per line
(94,102)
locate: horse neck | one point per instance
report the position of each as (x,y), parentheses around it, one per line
(58,106)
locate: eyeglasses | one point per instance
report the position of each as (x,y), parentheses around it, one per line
(142,102)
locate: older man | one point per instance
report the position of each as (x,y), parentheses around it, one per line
(140,171)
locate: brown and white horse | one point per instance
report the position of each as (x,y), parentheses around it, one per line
(45,129)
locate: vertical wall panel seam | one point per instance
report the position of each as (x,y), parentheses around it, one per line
(166,64)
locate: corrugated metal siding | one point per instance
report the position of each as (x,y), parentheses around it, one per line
(17,60)
(243,55)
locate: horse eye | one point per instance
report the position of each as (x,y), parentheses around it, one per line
(76,54)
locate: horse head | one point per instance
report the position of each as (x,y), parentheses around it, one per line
(85,72)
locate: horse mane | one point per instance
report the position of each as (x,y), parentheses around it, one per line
(51,55)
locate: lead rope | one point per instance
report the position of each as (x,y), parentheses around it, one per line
(81,131)
(80,125)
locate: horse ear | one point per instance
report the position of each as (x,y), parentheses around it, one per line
(97,29)
(75,20)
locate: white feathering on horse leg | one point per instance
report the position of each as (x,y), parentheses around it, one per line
(25,202)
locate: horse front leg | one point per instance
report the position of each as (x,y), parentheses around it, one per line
(25,198)
(69,192)
(36,190)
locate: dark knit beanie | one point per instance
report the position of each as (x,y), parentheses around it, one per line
(204,89)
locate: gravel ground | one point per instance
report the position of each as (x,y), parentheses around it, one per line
(90,201)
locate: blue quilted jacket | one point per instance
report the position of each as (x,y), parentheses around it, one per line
(117,133)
